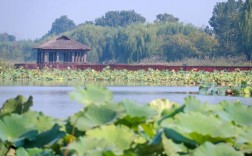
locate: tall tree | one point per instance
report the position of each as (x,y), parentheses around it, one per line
(120,18)
(5,37)
(166,18)
(62,24)
(246,29)
(225,25)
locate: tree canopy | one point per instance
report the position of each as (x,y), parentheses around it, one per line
(5,37)
(166,18)
(225,23)
(119,18)
(62,24)
(246,29)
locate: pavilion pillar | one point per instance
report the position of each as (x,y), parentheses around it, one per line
(38,54)
(78,57)
(46,56)
(72,57)
(57,57)
(85,57)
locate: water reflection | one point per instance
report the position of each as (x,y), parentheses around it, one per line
(54,101)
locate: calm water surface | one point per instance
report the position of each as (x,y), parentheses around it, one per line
(55,101)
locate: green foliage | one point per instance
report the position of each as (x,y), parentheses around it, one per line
(119,138)
(236,83)
(225,23)
(17,50)
(17,105)
(166,18)
(92,95)
(119,18)
(4,37)
(126,128)
(216,150)
(137,41)
(61,24)
(94,116)
(246,30)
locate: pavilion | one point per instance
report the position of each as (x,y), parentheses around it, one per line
(61,50)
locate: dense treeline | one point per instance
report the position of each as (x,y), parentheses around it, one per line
(13,50)
(137,41)
(125,37)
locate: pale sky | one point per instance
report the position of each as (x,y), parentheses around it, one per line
(30,19)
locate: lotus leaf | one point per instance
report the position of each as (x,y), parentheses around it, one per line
(119,137)
(16,105)
(163,106)
(136,110)
(193,104)
(46,138)
(16,129)
(220,149)
(34,152)
(201,127)
(90,146)
(171,148)
(42,122)
(244,140)
(92,95)
(179,138)
(94,116)
(237,112)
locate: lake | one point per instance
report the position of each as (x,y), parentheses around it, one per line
(54,101)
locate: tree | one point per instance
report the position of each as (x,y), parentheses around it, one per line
(166,18)
(5,37)
(119,18)
(246,29)
(225,25)
(62,24)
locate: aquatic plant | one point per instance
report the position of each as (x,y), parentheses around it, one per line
(104,127)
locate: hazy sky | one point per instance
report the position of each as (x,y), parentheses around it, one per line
(30,19)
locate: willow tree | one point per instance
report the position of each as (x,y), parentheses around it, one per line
(246,29)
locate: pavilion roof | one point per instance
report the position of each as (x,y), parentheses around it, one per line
(63,43)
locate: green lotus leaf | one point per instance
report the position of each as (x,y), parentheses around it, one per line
(16,105)
(42,122)
(171,148)
(237,112)
(220,149)
(149,129)
(136,110)
(163,106)
(244,141)
(46,138)
(90,146)
(172,114)
(94,116)
(34,152)
(96,95)
(201,127)
(119,137)
(16,129)
(203,89)
(193,104)
(179,138)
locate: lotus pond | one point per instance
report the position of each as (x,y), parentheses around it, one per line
(54,100)
(102,126)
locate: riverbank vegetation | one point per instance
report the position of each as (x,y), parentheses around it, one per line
(103,127)
(126,37)
(237,83)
